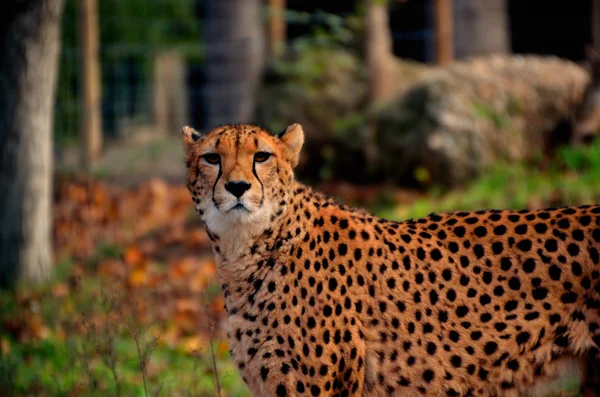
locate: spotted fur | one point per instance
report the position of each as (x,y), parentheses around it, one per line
(327,300)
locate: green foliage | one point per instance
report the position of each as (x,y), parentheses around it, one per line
(580,158)
(131,31)
(328,30)
(321,83)
(486,112)
(571,179)
(104,251)
(56,368)
(514,106)
(156,24)
(81,347)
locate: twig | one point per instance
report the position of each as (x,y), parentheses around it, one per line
(211,334)
(111,359)
(141,359)
(214,363)
(195,354)
(159,389)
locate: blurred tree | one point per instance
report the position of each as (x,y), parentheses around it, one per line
(30,42)
(234,59)
(131,32)
(444,32)
(596,23)
(481,27)
(277,28)
(90,129)
(379,54)
(381,68)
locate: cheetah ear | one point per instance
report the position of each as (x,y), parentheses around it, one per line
(293,138)
(189,136)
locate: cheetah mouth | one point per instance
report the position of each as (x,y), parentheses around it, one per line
(239,207)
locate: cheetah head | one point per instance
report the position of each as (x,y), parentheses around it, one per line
(240,176)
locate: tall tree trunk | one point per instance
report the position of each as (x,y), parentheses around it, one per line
(381,70)
(444,32)
(277,26)
(596,23)
(379,52)
(235,50)
(481,27)
(30,42)
(90,128)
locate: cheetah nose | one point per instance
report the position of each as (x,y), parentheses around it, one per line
(237,188)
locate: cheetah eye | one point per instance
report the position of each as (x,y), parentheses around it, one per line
(212,158)
(261,157)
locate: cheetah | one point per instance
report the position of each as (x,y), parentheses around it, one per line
(324,299)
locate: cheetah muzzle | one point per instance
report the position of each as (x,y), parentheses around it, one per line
(327,300)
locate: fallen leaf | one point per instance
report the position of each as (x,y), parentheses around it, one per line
(133,256)
(4,346)
(192,344)
(217,304)
(187,305)
(37,328)
(60,290)
(138,277)
(111,267)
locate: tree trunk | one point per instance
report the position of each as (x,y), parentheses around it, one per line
(30,40)
(444,32)
(277,26)
(381,70)
(169,96)
(596,23)
(91,122)
(481,27)
(234,60)
(379,53)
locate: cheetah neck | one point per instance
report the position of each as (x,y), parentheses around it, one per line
(244,254)
(240,246)
(230,241)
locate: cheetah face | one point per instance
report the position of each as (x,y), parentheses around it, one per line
(238,174)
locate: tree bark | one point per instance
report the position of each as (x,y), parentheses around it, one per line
(277,27)
(169,96)
(481,27)
(30,42)
(234,60)
(596,23)
(444,32)
(91,121)
(379,53)
(381,70)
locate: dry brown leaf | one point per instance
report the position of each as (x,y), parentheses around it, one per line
(4,346)
(133,256)
(37,328)
(138,277)
(60,290)
(191,305)
(111,267)
(217,305)
(193,344)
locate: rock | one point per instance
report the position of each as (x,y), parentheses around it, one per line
(456,122)
(325,90)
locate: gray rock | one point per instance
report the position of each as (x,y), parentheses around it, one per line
(456,122)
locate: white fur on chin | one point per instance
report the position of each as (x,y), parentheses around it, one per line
(237,229)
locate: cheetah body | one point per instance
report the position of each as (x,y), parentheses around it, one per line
(328,300)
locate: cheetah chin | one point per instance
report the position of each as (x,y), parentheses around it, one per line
(327,300)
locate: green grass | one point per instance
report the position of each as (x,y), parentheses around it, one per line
(56,368)
(63,345)
(572,178)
